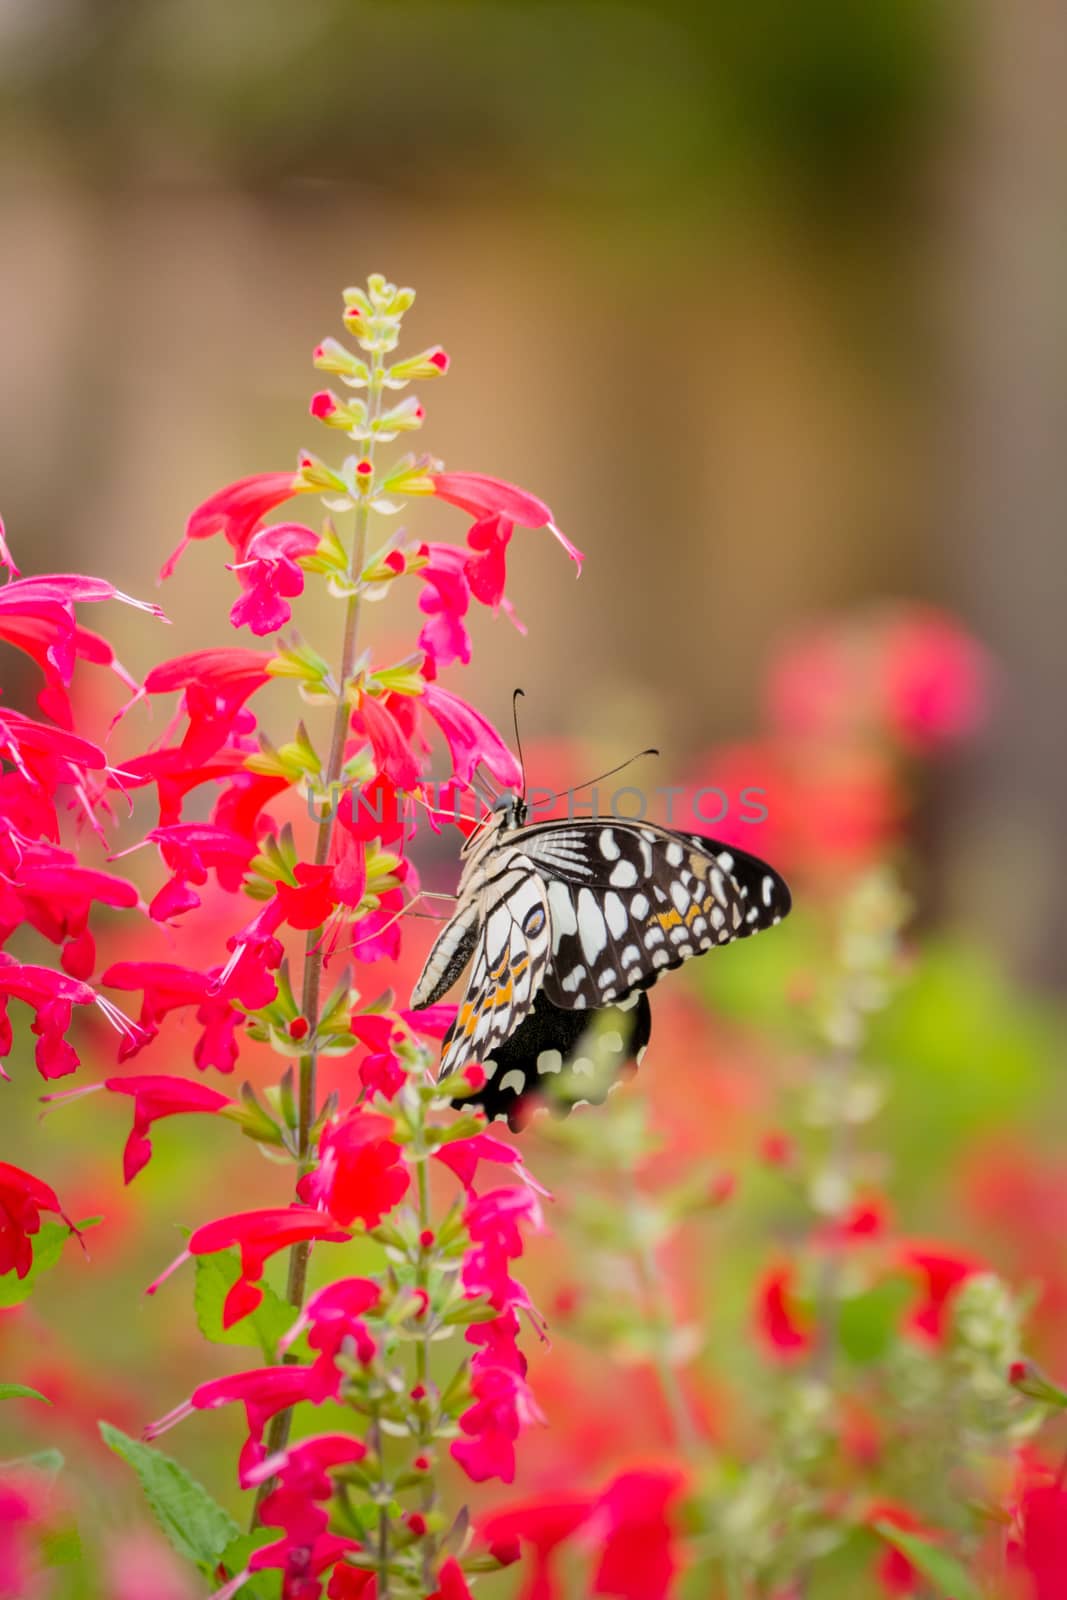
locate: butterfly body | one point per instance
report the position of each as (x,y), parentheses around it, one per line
(568,917)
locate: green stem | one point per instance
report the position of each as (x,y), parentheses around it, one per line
(310,1000)
(424,1437)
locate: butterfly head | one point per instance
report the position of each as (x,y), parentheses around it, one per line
(506,814)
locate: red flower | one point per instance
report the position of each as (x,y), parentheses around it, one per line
(258,1235)
(451,1584)
(1041,1548)
(634,1528)
(22,1199)
(941,1273)
(778,1320)
(263,1391)
(896,1574)
(630,1524)
(360,1175)
(544,1525)
(156,1096)
(503,1406)
(237,510)
(270,577)
(309,904)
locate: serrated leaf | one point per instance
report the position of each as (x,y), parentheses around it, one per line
(235,1559)
(215,1277)
(21,1391)
(47,1249)
(194,1524)
(949,1578)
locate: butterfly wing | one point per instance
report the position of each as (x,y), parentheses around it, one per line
(508,968)
(628,901)
(562,1058)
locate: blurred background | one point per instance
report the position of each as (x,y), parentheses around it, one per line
(769,304)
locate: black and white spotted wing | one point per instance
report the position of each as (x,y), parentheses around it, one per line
(556,1058)
(508,968)
(628,901)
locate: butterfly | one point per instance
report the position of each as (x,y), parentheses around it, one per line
(565,926)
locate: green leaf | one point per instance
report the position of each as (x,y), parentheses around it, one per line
(21,1391)
(935,1564)
(215,1277)
(47,1249)
(867,1323)
(195,1525)
(235,1559)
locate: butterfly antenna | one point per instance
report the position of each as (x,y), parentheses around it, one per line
(651,751)
(519,694)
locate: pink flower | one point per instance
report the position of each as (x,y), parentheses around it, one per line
(215,684)
(935,680)
(263,1391)
(155,1096)
(334,1318)
(486,497)
(471,738)
(270,577)
(464,1156)
(912,674)
(46,887)
(444,602)
(51,994)
(503,1406)
(170,988)
(258,1236)
(22,1199)
(190,849)
(237,510)
(361,1174)
(55,648)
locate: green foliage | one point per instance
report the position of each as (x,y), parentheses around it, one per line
(21,1391)
(193,1523)
(47,1249)
(942,1570)
(262,1328)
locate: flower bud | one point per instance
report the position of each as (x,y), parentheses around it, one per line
(331,356)
(431,363)
(1028,1378)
